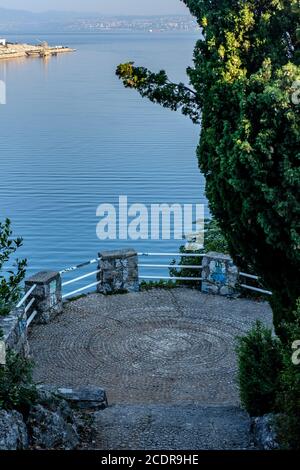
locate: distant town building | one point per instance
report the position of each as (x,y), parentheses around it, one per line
(2,42)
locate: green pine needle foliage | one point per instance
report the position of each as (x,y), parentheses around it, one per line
(246,65)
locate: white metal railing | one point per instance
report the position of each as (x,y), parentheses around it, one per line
(170,266)
(181,255)
(150,276)
(28,302)
(156,266)
(172,278)
(29,305)
(250,276)
(191,255)
(28,294)
(31,318)
(176,266)
(253,288)
(80,278)
(256,289)
(79,266)
(81,289)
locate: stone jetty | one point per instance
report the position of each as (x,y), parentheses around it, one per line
(15,51)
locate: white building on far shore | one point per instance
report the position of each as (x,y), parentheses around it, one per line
(2,42)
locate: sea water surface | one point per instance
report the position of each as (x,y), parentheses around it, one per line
(72,137)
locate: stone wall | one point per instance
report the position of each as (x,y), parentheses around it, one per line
(47,303)
(219,274)
(14,329)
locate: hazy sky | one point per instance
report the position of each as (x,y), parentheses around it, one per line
(131,7)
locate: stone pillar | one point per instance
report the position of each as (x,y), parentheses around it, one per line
(220,275)
(48,295)
(118,272)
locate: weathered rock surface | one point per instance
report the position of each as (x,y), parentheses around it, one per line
(13,432)
(49,430)
(264,433)
(82,398)
(52,424)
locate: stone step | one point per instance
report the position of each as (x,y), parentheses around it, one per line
(172,427)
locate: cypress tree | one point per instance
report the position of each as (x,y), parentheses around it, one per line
(245,91)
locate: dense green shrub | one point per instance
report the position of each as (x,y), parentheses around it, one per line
(269,379)
(9,279)
(260,363)
(288,423)
(16,388)
(289,389)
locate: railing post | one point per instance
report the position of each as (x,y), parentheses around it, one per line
(219,274)
(47,294)
(118,272)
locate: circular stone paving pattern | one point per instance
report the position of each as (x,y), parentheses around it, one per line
(164,343)
(160,353)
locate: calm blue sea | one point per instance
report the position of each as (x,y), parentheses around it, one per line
(71,138)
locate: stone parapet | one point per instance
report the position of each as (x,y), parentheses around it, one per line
(118,272)
(219,274)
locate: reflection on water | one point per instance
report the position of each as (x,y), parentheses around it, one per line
(73,138)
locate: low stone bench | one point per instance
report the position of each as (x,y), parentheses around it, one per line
(83,398)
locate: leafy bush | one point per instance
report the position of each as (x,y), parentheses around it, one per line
(289,390)
(214,238)
(148,285)
(260,363)
(9,280)
(185,270)
(270,381)
(16,388)
(213,241)
(288,424)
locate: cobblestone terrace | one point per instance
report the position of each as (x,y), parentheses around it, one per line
(155,347)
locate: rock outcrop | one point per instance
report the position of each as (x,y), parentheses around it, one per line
(61,419)
(13,431)
(53,428)
(264,432)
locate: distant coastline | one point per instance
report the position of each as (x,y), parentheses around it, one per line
(12,21)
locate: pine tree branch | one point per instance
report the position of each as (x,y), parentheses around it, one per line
(159,89)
